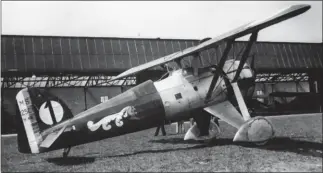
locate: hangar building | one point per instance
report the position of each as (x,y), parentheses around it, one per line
(76,68)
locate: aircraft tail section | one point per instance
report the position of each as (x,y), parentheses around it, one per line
(37,111)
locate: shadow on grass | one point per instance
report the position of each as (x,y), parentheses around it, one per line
(175,140)
(167,134)
(157,151)
(72,160)
(305,148)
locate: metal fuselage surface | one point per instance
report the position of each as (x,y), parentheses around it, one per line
(144,106)
(183,91)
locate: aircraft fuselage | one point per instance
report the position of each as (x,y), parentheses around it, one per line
(145,106)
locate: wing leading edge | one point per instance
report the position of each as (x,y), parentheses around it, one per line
(243,30)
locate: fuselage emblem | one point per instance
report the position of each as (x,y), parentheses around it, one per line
(51,112)
(128,111)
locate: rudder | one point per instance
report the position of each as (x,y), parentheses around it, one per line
(38,110)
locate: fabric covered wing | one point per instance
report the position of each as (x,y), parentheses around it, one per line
(245,29)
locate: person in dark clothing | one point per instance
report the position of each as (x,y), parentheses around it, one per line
(162,129)
(216,121)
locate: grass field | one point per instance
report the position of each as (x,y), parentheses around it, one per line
(296,147)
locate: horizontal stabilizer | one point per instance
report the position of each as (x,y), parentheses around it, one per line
(51,138)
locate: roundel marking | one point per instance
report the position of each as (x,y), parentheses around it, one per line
(45,112)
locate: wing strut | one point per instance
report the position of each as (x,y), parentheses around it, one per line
(245,54)
(236,89)
(219,67)
(241,103)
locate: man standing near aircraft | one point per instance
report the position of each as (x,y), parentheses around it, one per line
(162,127)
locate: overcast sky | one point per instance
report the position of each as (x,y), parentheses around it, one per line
(168,19)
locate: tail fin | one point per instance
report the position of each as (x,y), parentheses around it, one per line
(38,111)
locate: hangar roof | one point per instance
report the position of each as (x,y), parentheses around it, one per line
(49,54)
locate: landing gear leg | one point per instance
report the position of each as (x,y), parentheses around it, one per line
(66,151)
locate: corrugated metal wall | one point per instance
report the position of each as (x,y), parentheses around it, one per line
(74,54)
(27,53)
(73,97)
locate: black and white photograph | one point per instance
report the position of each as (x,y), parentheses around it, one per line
(161,86)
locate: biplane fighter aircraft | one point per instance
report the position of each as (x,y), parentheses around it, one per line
(47,124)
